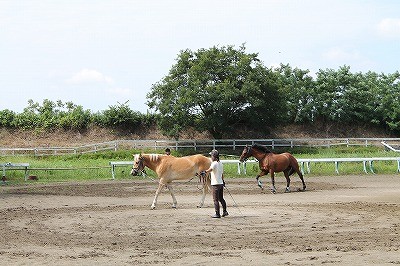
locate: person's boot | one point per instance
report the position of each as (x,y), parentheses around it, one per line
(225,213)
(216,215)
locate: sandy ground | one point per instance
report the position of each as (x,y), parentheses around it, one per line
(340,220)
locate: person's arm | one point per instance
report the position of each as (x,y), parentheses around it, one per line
(207,171)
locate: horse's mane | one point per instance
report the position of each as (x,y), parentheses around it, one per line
(261,148)
(152,156)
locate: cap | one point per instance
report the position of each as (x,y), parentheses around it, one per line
(214,153)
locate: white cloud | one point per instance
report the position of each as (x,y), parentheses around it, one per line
(120,91)
(89,76)
(389,27)
(346,56)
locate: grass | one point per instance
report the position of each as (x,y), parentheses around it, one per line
(96,166)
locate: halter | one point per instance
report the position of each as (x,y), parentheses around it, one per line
(140,166)
(247,155)
(248,152)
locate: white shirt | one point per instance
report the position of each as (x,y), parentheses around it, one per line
(216,173)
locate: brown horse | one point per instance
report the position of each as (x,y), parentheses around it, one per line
(169,168)
(271,163)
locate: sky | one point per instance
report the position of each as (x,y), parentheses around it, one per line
(100,53)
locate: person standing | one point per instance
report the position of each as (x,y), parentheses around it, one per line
(217,182)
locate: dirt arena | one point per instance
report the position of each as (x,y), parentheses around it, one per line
(340,220)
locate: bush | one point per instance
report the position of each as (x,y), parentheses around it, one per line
(26,120)
(7,118)
(76,119)
(121,117)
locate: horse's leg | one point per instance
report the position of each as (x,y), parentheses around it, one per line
(258,181)
(287,175)
(296,168)
(301,178)
(174,202)
(160,186)
(273,189)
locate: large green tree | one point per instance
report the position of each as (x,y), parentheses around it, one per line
(344,97)
(297,88)
(387,96)
(216,90)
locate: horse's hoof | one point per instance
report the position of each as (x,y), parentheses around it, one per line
(273,191)
(287,190)
(153,207)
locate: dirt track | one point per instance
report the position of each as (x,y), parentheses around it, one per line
(339,220)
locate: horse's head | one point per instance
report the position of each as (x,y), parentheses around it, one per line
(246,153)
(138,165)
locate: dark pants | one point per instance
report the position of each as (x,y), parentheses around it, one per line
(218,196)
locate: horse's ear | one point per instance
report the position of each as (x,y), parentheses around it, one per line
(247,146)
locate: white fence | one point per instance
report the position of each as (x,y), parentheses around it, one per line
(305,163)
(46,151)
(233,144)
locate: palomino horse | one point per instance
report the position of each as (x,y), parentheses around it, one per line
(170,168)
(271,163)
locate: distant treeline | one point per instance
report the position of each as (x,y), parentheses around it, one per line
(69,116)
(230,100)
(223,89)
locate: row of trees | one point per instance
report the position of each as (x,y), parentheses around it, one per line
(58,115)
(223,89)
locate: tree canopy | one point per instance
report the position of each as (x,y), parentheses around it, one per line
(223,88)
(226,90)
(216,90)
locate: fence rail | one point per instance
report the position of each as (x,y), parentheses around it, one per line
(233,144)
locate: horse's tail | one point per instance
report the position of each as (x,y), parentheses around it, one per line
(291,170)
(207,185)
(205,180)
(294,166)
